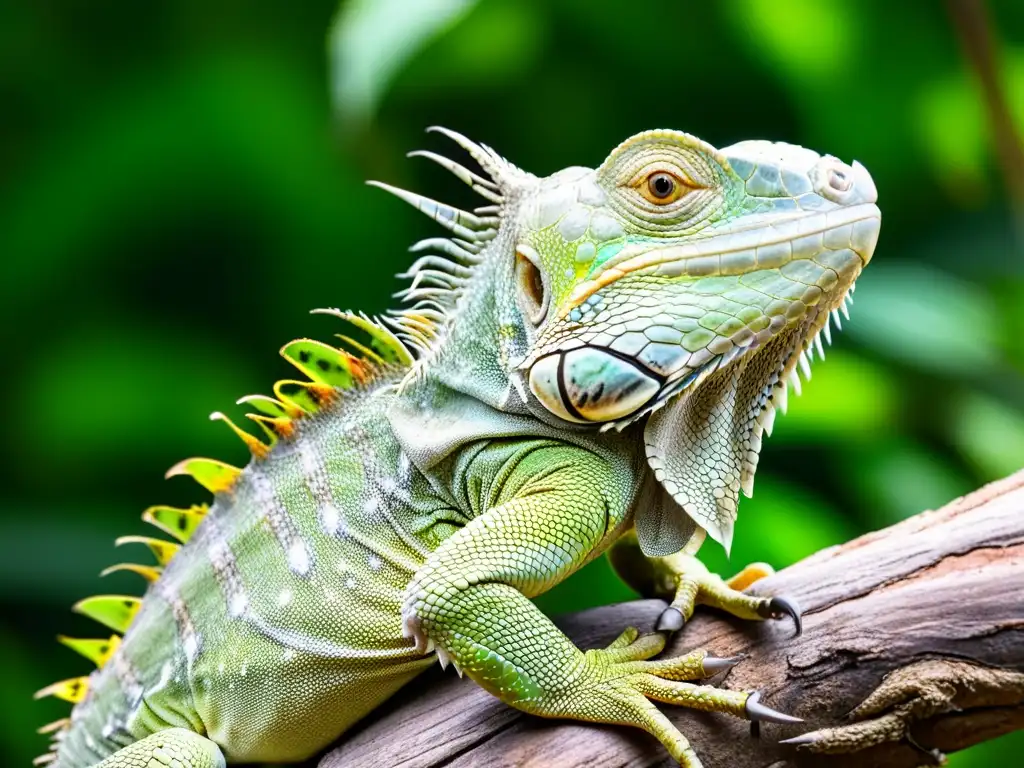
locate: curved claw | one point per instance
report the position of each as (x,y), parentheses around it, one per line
(778,607)
(670,620)
(800,741)
(713,665)
(760,713)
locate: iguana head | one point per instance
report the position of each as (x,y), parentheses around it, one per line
(681,283)
(676,287)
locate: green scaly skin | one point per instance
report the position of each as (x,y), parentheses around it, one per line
(597,354)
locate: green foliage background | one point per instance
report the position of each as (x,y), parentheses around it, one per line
(176,194)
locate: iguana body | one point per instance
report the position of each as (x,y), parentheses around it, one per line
(417,494)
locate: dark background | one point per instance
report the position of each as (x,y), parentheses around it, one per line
(181,181)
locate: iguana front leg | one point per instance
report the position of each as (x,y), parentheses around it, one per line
(173,748)
(684,581)
(470,600)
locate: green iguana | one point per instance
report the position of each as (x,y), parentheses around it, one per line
(586,365)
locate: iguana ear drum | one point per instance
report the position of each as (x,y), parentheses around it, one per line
(590,384)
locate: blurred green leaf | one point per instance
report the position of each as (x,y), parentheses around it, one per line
(134,161)
(370,40)
(496,42)
(112,388)
(848,397)
(914,313)
(21,676)
(1002,752)
(78,542)
(1009,296)
(811,42)
(953,124)
(896,478)
(989,433)
(953,131)
(781,524)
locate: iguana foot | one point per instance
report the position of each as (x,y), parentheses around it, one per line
(686,583)
(912,695)
(620,683)
(690,584)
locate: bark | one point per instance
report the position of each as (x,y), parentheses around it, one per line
(913,645)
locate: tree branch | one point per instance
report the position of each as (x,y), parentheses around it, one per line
(917,630)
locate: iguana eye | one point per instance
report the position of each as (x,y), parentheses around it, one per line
(662,188)
(661,185)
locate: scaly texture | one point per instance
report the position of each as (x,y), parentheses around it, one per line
(589,353)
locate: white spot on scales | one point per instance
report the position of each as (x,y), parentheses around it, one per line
(315,476)
(191,645)
(283,527)
(238,605)
(298,557)
(166,671)
(330,518)
(404,466)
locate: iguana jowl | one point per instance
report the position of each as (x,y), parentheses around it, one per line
(590,354)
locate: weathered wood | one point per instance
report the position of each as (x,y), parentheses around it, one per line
(937,600)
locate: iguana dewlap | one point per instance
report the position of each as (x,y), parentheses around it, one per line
(590,358)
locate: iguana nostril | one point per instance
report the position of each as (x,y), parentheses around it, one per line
(839,181)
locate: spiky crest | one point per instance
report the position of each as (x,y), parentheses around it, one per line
(179,523)
(97,651)
(56,725)
(162,550)
(113,611)
(332,371)
(74,689)
(438,280)
(149,572)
